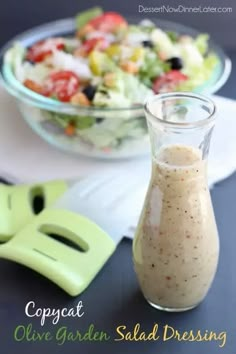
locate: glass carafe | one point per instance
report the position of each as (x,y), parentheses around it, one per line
(176,246)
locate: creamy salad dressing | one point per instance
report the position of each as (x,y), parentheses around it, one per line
(176,245)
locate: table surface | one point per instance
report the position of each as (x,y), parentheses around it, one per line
(114,298)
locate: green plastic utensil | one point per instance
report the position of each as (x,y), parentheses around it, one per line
(71,269)
(63,244)
(17,204)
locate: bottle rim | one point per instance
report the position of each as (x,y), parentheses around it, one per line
(180,95)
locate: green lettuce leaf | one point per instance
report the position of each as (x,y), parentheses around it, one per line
(201,43)
(151,68)
(84,17)
(198,80)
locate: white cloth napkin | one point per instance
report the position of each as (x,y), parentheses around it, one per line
(25,157)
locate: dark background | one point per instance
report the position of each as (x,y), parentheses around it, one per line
(19,15)
(114,296)
(16,16)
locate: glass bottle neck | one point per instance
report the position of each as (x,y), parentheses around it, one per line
(195,140)
(180,119)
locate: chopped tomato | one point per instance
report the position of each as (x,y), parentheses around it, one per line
(34,86)
(40,50)
(107,22)
(165,81)
(98,43)
(62,84)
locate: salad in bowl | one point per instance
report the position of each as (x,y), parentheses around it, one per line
(81,83)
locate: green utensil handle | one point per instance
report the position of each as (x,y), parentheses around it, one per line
(69,268)
(17,204)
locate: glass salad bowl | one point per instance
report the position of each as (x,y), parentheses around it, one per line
(119,132)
